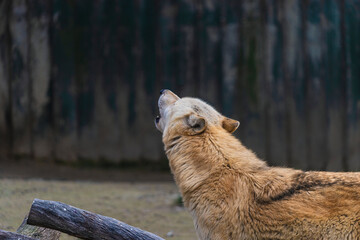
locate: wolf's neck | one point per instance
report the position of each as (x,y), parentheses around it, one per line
(195,159)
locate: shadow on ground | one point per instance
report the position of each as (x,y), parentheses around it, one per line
(43,170)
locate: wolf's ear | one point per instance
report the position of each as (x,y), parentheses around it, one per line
(230,125)
(196,123)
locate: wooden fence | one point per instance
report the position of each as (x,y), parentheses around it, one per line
(79,79)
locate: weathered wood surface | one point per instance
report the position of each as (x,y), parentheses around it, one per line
(5,85)
(81,223)
(5,235)
(79,81)
(27,232)
(40,68)
(351,60)
(21,88)
(293,73)
(39,233)
(63,77)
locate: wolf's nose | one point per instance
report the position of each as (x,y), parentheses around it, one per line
(162,91)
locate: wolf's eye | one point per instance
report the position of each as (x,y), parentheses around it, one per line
(196,108)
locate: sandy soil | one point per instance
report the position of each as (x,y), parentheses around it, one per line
(147,200)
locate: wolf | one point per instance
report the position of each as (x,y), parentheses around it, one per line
(232,194)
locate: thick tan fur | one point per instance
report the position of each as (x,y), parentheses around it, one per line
(232,194)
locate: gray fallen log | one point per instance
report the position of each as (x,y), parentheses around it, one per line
(5,235)
(83,224)
(28,232)
(39,233)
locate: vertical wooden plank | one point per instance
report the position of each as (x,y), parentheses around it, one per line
(106,83)
(136,86)
(21,85)
(164,34)
(4,77)
(315,97)
(146,72)
(229,34)
(149,32)
(126,88)
(125,72)
(106,19)
(198,47)
(210,59)
(39,50)
(186,22)
(63,75)
(138,136)
(352,40)
(277,145)
(249,97)
(294,84)
(87,65)
(169,51)
(334,85)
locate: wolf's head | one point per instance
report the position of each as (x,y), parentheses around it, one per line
(189,116)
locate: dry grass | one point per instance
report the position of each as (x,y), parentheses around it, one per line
(149,206)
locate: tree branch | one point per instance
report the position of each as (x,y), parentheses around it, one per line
(5,235)
(83,224)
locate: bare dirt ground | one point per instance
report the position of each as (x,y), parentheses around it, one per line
(147,200)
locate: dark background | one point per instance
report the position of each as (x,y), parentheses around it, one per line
(79,80)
